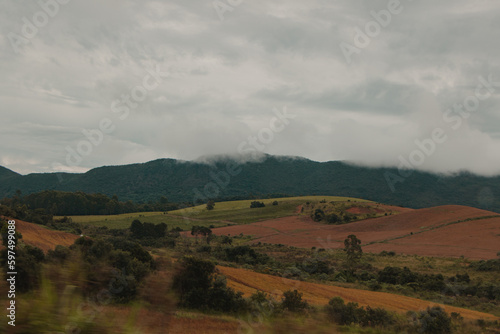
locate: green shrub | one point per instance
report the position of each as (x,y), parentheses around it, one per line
(257,204)
(318,215)
(347,314)
(199,287)
(292,301)
(432,321)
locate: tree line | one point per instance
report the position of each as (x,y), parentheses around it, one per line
(60,203)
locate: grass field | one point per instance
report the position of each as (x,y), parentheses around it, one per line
(224,213)
(239,212)
(124,220)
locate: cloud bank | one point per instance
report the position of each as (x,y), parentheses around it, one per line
(184,79)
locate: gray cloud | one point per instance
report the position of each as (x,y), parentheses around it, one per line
(226,77)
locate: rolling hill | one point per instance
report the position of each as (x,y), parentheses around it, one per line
(43,238)
(249,282)
(192,181)
(447,231)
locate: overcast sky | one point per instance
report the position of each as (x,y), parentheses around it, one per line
(350,88)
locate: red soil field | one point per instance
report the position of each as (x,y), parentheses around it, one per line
(250,282)
(477,239)
(43,238)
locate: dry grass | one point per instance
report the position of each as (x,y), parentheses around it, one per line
(43,238)
(249,282)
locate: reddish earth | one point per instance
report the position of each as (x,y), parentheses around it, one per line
(358,210)
(250,282)
(477,239)
(43,238)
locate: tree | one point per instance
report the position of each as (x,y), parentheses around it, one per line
(341,313)
(257,204)
(318,215)
(147,230)
(292,301)
(198,286)
(434,320)
(28,266)
(136,228)
(202,230)
(210,205)
(226,240)
(333,219)
(352,246)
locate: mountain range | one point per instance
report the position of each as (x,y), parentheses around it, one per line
(225,177)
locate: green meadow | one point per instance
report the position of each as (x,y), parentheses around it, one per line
(223,214)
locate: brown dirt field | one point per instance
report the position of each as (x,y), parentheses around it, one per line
(358,210)
(43,238)
(453,240)
(478,239)
(249,282)
(362,210)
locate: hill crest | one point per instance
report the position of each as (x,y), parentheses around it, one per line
(184,181)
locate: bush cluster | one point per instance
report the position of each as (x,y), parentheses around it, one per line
(257,204)
(199,287)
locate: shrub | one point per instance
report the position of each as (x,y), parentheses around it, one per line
(292,301)
(350,313)
(199,287)
(28,266)
(318,215)
(333,219)
(490,265)
(257,204)
(341,313)
(147,230)
(204,249)
(243,254)
(260,303)
(386,253)
(433,321)
(226,240)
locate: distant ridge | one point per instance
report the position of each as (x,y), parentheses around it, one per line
(221,177)
(5,172)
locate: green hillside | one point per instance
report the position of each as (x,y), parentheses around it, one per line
(223,214)
(195,181)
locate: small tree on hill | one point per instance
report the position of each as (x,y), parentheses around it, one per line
(352,247)
(210,205)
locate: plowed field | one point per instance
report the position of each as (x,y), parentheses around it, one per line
(439,231)
(249,282)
